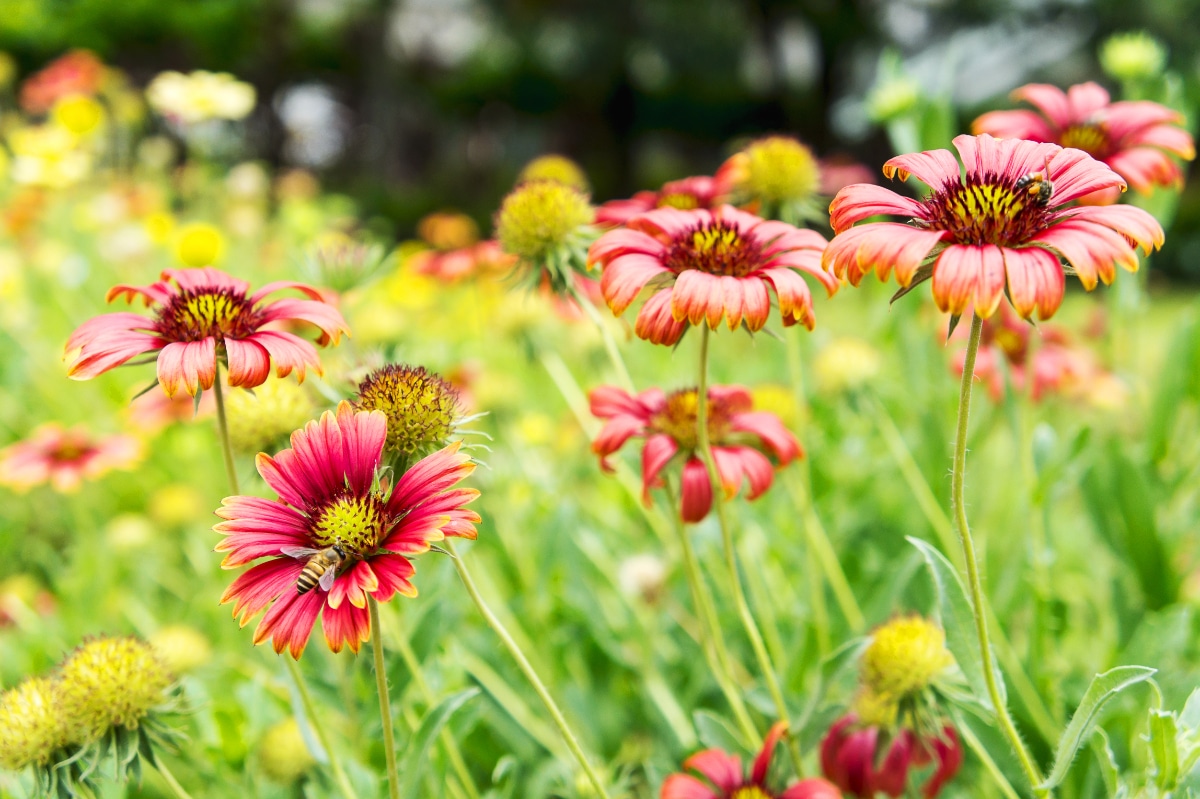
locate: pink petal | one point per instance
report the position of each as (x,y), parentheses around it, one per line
(1085,99)
(279,474)
(249,363)
(656,322)
(965,275)
(290,621)
(279,285)
(934,168)
(1074,174)
(723,770)
(259,585)
(685,786)
(795,300)
(1050,100)
(1135,224)
(621,241)
(695,492)
(346,624)
(762,763)
(1015,125)
(1035,280)
(288,351)
(429,476)
(325,317)
(393,573)
(881,246)
(855,203)
(772,432)
(625,276)
(353,584)
(657,452)
(192,364)
(363,436)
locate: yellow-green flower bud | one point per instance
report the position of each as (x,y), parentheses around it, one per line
(181,648)
(421,408)
(892,98)
(541,216)
(846,364)
(260,418)
(283,754)
(110,682)
(557,168)
(31,724)
(779,169)
(1133,56)
(904,657)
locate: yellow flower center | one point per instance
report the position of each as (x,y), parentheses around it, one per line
(749,792)
(904,657)
(987,212)
(681,200)
(716,248)
(680,417)
(1092,139)
(356,524)
(196,315)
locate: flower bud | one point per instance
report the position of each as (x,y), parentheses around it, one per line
(31,724)
(541,217)
(110,682)
(557,168)
(283,754)
(258,419)
(1133,56)
(904,657)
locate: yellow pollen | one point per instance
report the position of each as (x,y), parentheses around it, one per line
(716,248)
(353,523)
(987,213)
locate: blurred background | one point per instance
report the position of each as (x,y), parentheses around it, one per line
(410,106)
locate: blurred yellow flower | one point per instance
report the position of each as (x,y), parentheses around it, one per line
(78,113)
(846,364)
(31,726)
(182,648)
(176,504)
(110,682)
(159,226)
(47,155)
(199,244)
(283,754)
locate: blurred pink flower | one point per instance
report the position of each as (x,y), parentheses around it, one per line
(686,194)
(851,757)
(64,458)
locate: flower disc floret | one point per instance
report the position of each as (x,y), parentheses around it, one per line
(1005,228)
(110,682)
(541,216)
(332,492)
(202,316)
(905,656)
(709,266)
(32,725)
(421,408)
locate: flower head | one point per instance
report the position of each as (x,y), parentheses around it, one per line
(457,251)
(341,263)
(545,224)
(1003,229)
(778,175)
(557,168)
(32,725)
(64,458)
(865,760)
(269,413)
(110,682)
(340,532)
(200,316)
(724,778)
(687,194)
(79,114)
(422,409)
(668,423)
(904,656)
(1137,139)
(709,266)
(200,96)
(1133,56)
(77,72)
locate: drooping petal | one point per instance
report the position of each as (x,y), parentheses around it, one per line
(249,363)
(771,431)
(259,585)
(685,786)
(934,168)
(191,364)
(762,763)
(722,770)
(353,584)
(1014,125)
(795,300)
(324,316)
(288,351)
(881,246)
(289,622)
(969,275)
(625,276)
(695,492)
(656,323)
(346,625)
(657,453)
(393,573)
(1035,281)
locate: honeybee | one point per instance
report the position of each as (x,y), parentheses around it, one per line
(321,569)
(1037,185)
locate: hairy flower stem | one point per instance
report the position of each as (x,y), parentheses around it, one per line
(957,483)
(385,703)
(610,344)
(223,432)
(526,668)
(170,780)
(313,718)
(711,640)
(735,580)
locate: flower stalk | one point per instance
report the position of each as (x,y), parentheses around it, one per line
(223,433)
(314,721)
(385,704)
(958,482)
(735,580)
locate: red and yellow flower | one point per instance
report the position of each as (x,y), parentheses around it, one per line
(991,233)
(708,267)
(332,494)
(699,191)
(202,316)
(1138,139)
(668,423)
(64,458)
(862,761)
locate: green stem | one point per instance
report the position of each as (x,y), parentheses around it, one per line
(170,780)
(223,432)
(958,482)
(711,640)
(314,722)
(385,703)
(739,596)
(610,344)
(527,669)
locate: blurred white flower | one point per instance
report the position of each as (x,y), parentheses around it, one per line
(200,96)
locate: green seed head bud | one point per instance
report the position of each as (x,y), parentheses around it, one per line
(892,98)
(540,217)
(260,418)
(283,754)
(904,657)
(557,168)
(780,169)
(421,408)
(31,724)
(110,682)
(1133,56)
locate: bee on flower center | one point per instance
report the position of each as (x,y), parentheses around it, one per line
(1037,186)
(321,567)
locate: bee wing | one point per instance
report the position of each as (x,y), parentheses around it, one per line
(326,581)
(299,553)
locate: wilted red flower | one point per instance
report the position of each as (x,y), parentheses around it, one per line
(205,315)
(1135,138)
(336,509)
(724,778)
(77,72)
(851,759)
(709,266)
(668,423)
(64,458)
(1004,228)
(699,191)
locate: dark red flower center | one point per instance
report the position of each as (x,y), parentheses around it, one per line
(1091,138)
(717,248)
(680,416)
(356,524)
(71,451)
(990,211)
(197,315)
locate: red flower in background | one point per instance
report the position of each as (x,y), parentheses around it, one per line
(668,422)
(64,458)
(1002,229)
(77,72)
(334,505)
(709,266)
(852,760)
(201,316)
(700,191)
(1136,138)
(724,778)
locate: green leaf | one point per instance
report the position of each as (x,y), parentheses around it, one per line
(1190,717)
(958,620)
(1110,772)
(717,733)
(1103,688)
(417,750)
(1164,751)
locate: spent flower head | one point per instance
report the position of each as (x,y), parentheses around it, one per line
(267,414)
(557,168)
(33,728)
(341,263)
(283,754)
(547,225)
(422,409)
(108,683)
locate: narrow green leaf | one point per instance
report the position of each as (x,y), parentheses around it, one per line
(1103,688)
(417,750)
(717,733)
(958,620)
(1164,750)
(1110,772)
